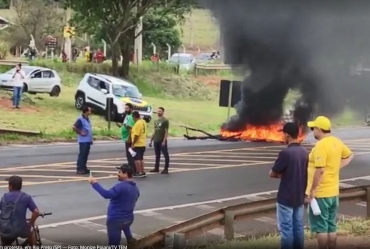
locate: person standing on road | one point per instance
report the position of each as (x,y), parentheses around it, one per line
(138,136)
(291,168)
(327,158)
(83,128)
(123,197)
(126,127)
(18,81)
(161,126)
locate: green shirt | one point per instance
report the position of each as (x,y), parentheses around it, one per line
(128,122)
(160,127)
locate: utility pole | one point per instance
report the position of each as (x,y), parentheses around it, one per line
(191,29)
(138,58)
(68,41)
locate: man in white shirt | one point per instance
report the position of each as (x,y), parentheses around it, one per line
(18,80)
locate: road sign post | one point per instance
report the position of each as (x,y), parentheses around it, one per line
(229,103)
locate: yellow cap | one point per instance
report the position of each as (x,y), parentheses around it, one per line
(320,122)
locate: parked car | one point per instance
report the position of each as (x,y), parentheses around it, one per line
(204,57)
(183,60)
(94,89)
(38,80)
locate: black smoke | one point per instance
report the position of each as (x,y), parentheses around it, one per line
(312,46)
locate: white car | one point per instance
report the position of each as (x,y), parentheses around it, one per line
(38,80)
(183,60)
(95,89)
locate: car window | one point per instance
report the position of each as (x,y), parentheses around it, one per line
(181,59)
(97,84)
(37,75)
(126,91)
(47,74)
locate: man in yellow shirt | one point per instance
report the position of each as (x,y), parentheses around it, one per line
(326,159)
(138,136)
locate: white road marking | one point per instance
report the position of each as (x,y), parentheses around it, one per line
(68,222)
(205,207)
(160,216)
(345,185)
(256,198)
(362,204)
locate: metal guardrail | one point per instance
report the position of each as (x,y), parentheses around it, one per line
(12,62)
(6,131)
(216,67)
(176,235)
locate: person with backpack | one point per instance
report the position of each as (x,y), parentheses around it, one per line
(13,208)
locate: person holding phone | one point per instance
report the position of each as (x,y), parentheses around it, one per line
(122,197)
(83,128)
(18,81)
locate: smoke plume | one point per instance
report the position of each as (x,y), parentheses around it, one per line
(314,46)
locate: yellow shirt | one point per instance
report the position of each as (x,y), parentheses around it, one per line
(328,154)
(139,129)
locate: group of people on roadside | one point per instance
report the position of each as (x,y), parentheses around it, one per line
(309,178)
(133,131)
(133,134)
(124,195)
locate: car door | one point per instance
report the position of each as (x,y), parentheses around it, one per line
(48,81)
(35,81)
(95,97)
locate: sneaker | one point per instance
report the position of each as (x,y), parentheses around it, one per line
(164,172)
(131,241)
(136,175)
(17,107)
(154,170)
(83,172)
(141,175)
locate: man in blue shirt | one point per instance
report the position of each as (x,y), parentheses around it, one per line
(83,128)
(13,220)
(123,197)
(291,167)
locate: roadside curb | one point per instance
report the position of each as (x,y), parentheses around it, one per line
(113,141)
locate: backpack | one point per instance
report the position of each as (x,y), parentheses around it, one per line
(10,224)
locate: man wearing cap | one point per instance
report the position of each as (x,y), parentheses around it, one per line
(291,168)
(326,159)
(123,197)
(20,201)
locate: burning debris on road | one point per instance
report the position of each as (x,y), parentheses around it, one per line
(307,46)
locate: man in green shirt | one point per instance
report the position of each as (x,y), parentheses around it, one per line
(126,126)
(159,138)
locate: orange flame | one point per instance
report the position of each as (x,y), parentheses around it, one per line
(271,133)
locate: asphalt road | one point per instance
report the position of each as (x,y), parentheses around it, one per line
(205,175)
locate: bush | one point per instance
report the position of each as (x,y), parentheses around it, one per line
(4,49)
(82,67)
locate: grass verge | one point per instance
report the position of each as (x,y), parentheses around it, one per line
(353,233)
(188,101)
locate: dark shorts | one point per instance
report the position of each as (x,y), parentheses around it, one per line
(139,153)
(24,235)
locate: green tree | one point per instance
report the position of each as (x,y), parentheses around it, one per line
(116,20)
(4,4)
(33,17)
(161,30)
